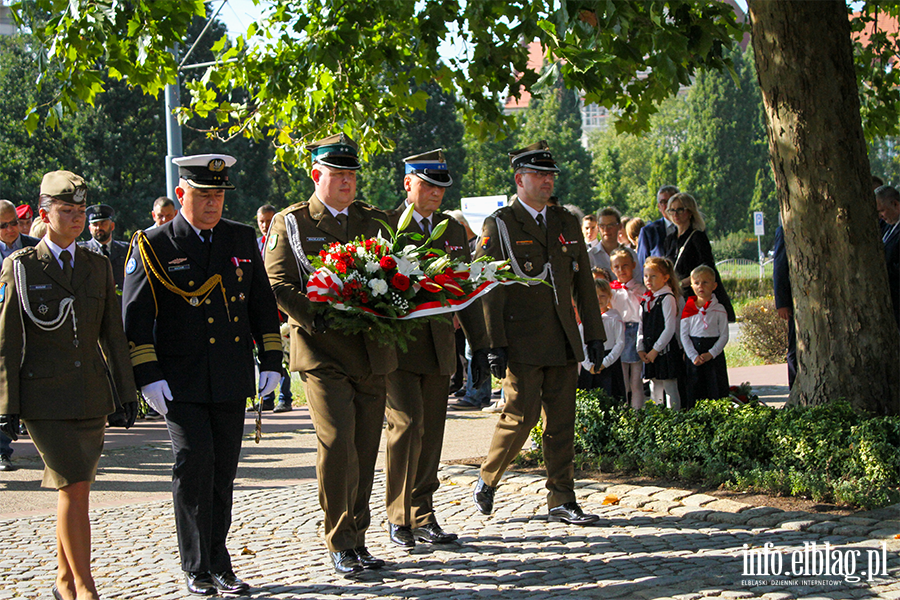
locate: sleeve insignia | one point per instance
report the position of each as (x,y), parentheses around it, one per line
(2,292)
(273,240)
(131,266)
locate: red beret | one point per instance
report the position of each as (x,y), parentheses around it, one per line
(24,212)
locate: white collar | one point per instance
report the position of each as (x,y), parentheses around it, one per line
(535,213)
(335,212)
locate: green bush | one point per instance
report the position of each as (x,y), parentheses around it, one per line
(738,244)
(748,287)
(763,332)
(828,453)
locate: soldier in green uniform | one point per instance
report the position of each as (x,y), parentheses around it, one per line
(197,301)
(58,311)
(343,374)
(533,330)
(417,390)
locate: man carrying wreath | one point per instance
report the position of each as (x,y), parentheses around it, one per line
(417,391)
(344,373)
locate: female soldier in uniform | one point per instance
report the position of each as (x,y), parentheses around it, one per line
(58,311)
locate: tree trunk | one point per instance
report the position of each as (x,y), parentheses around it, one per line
(847,340)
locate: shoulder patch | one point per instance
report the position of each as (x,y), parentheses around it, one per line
(2,292)
(295,206)
(131,266)
(273,241)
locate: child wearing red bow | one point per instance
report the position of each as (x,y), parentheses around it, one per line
(627,294)
(704,333)
(657,341)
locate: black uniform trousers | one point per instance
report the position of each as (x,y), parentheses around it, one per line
(206,442)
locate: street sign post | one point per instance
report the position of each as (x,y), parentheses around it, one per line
(759,229)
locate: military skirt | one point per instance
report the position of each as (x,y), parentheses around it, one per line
(69,448)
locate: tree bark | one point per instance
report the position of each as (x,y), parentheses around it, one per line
(847,341)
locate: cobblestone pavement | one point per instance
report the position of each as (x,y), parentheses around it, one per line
(655,543)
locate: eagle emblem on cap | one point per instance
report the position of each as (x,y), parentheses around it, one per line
(79,194)
(216,165)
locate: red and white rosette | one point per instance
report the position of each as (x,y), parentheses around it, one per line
(324,286)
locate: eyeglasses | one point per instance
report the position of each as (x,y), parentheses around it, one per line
(676,211)
(12,223)
(542,174)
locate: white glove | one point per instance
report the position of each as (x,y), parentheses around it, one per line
(268,381)
(156,394)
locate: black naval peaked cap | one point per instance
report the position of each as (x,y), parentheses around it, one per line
(65,186)
(536,156)
(337,151)
(206,171)
(99,212)
(429,166)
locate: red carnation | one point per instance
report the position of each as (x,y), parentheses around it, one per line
(387,263)
(400,281)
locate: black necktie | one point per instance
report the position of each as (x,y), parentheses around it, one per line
(66,259)
(342,219)
(206,234)
(425,224)
(105,250)
(540,221)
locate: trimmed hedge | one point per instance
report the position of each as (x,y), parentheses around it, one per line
(828,453)
(740,288)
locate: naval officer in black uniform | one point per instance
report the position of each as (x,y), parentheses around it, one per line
(196,299)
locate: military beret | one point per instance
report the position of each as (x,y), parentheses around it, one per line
(24,212)
(536,156)
(65,186)
(430,167)
(337,151)
(99,212)
(206,171)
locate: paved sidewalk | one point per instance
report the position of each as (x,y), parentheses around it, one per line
(649,551)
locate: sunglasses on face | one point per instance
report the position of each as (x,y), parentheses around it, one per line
(12,223)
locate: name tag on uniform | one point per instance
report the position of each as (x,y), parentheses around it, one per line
(524,242)
(42,286)
(179,268)
(315,239)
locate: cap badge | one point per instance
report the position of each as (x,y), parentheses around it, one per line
(216,165)
(79,194)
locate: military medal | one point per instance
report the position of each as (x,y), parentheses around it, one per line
(574,265)
(241,297)
(43,309)
(565,249)
(239,272)
(195,301)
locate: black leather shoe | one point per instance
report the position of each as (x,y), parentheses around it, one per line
(345,563)
(55,591)
(6,463)
(484,497)
(401,535)
(572,514)
(366,559)
(199,583)
(228,582)
(432,533)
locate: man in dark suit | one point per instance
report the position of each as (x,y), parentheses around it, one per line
(101,223)
(196,299)
(344,373)
(651,241)
(417,390)
(887,201)
(784,300)
(533,332)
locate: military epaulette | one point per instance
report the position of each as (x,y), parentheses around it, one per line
(501,211)
(295,206)
(22,252)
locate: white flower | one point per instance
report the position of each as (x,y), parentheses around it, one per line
(490,270)
(475,270)
(361,251)
(408,266)
(408,250)
(379,286)
(372,266)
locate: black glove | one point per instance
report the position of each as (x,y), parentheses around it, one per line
(321,323)
(481,368)
(9,426)
(125,416)
(498,359)
(596,352)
